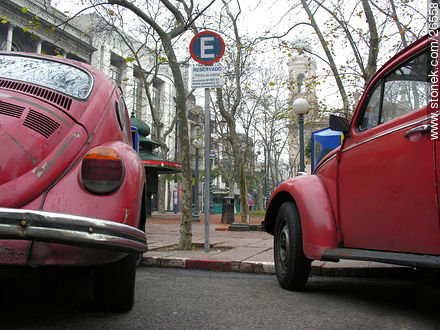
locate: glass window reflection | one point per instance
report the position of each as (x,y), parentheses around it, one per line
(55,75)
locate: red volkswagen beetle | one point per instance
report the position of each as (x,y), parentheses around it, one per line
(72,186)
(376,197)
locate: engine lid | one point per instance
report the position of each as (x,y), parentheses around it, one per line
(37,143)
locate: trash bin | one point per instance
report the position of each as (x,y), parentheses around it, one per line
(228,210)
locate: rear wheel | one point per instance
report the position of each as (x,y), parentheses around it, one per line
(291,265)
(142,224)
(114,284)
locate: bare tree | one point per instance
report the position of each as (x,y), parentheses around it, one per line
(361,28)
(228,106)
(183,15)
(147,71)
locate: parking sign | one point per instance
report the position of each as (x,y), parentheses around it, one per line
(207,47)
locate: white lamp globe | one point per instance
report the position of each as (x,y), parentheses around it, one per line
(300,106)
(197,143)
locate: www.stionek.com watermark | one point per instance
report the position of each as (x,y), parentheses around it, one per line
(433,24)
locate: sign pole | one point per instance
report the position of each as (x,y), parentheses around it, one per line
(207,137)
(206,48)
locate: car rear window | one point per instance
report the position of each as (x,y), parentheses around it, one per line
(62,77)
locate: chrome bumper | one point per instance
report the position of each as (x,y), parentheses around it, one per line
(71,230)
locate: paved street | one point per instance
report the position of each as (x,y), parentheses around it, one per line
(193,299)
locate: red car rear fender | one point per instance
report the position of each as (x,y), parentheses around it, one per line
(317,216)
(123,205)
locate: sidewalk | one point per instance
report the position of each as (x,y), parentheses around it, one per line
(239,251)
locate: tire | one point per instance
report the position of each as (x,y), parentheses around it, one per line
(115,283)
(291,265)
(142,225)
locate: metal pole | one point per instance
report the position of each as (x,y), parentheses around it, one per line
(175,198)
(211,203)
(196,217)
(301,143)
(207,167)
(268,175)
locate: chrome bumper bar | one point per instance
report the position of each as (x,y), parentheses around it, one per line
(71,230)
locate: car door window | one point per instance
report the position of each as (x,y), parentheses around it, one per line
(406,89)
(371,114)
(402,91)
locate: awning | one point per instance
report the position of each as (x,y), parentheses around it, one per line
(163,166)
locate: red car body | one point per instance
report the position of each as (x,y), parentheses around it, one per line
(72,186)
(376,196)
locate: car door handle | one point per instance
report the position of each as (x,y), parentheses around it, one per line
(419,129)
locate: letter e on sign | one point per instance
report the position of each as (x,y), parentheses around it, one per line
(207,47)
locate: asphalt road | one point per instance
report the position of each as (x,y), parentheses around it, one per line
(186,299)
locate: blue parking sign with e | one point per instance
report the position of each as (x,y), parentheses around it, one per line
(207,47)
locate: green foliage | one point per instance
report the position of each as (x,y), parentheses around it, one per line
(215,173)
(24,10)
(257,213)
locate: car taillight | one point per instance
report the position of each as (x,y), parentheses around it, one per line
(102,170)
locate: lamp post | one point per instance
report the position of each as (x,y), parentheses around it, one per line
(267,179)
(197,144)
(301,107)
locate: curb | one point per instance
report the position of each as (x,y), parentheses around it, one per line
(269,268)
(211,265)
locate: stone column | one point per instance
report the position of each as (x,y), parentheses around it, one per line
(39,45)
(127,85)
(9,37)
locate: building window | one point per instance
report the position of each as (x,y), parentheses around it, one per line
(300,82)
(115,74)
(116,65)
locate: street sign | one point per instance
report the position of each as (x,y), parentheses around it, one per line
(207,47)
(207,77)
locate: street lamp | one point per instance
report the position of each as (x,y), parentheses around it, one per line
(301,107)
(197,144)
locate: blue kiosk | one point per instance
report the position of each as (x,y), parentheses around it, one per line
(324,141)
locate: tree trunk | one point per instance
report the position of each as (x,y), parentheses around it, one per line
(161,196)
(240,171)
(373,44)
(244,203)
(185,242)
